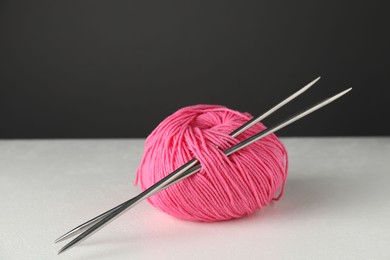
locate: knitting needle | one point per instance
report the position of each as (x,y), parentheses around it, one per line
(228,152)
(260,135)
(192,162)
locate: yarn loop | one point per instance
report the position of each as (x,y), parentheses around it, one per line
(226,187)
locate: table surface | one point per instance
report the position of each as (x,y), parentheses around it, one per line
(336,205)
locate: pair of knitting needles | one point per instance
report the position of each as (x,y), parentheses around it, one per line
(193,166)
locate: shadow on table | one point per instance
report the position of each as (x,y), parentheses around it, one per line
(304,196)
(330,194)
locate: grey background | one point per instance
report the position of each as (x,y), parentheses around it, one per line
(91,69)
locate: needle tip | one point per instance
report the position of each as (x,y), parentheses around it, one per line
(62,249)
(316,79)
(347,90)
(312,83)
(60,238)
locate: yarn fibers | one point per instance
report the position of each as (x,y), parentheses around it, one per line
(226,187)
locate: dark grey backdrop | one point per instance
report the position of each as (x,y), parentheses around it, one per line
(117,68)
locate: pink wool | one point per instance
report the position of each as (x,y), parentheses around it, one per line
(226,187)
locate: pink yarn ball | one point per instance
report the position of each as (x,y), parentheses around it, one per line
(226,187)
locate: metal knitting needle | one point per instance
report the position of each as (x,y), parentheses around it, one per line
(192,162)
(228,152)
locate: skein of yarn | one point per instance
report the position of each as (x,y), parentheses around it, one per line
(225,187)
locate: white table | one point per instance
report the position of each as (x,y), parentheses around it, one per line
(336,205)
